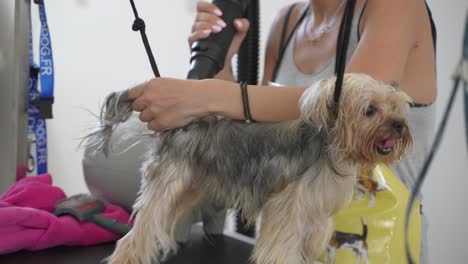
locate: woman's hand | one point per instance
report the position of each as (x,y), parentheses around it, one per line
(166,103)
(208,22)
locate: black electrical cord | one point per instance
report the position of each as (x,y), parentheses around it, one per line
(249,53)
(139,25)
(464,71)
(466,111)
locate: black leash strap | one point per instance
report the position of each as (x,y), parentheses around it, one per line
(341,52)
(461,75)
(466,107)
(139,25)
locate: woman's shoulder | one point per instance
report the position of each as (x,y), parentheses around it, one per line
(284,20)
(288,15)
(396,11)
(402,28)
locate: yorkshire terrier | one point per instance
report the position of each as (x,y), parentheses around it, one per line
(295,174)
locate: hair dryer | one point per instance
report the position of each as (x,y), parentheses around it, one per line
(208,55)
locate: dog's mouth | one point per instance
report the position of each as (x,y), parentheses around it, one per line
(386,146)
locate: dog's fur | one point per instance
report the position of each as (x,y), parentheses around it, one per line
(297,174)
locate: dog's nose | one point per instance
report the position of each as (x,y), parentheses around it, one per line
(398,126)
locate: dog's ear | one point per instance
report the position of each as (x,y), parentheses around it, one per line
(315,104)
(405,100)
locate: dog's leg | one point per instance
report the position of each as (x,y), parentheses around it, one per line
(214,218)
(364,256)
(332,256)
(290,234)
(325,256)
(329,252)
(184,226)
(371,199)
(164,198)
(358,256)
(359,194)
(186,213)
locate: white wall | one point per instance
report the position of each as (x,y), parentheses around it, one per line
(97,52)
(445,200)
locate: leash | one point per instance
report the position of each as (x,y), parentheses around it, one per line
(460,75)
(40,101)
(139,25)
(341,52)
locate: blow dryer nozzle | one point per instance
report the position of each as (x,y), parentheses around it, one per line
(208,55)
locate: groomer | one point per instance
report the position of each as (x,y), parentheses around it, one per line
(393,41)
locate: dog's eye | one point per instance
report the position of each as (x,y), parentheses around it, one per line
(370,111)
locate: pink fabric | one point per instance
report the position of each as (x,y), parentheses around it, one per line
(27,222)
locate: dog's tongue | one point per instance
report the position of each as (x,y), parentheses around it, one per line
(388,143)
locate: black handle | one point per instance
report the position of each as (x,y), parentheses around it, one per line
(110,224)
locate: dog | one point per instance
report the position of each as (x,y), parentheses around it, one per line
(356,242)
(296,175)
(366,185)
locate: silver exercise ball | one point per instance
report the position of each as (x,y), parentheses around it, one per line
(116,178)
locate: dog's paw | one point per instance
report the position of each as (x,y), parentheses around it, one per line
(126,252)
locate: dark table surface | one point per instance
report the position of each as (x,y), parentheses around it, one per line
(226,249)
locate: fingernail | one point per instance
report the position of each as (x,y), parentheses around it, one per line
(218,12)
(216,28)
(207,31)
(221,23)
(238,24)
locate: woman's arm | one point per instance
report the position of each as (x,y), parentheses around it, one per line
(267,103)
(390,32)
(396,47)
(168,103)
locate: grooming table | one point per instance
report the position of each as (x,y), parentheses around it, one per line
(226,249)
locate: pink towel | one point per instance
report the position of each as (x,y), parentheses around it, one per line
(27,222)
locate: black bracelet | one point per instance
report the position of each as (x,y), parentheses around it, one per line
(245,103)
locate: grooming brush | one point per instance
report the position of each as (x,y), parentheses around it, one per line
(85,207)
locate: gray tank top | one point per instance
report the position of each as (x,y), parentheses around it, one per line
(421,119)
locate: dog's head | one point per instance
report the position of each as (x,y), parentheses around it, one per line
(370,126)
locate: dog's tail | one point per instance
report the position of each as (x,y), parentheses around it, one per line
(364,229)
(116,109)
